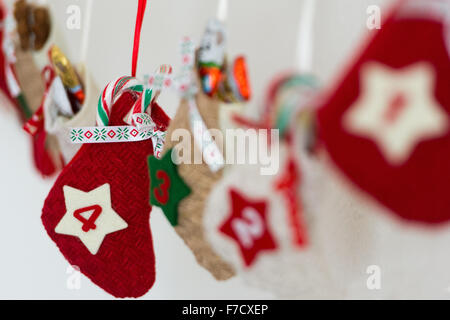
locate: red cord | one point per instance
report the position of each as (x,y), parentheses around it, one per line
(137,35)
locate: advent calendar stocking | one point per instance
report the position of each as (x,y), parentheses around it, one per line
(385,126)
(200,179)
(47,158)
(98,210)
(205,83)
(258,222)
(24,86)
(57,114)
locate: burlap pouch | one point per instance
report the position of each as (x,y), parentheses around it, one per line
(30,79)
(201,180)
(32,86)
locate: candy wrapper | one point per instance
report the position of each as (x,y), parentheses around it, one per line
(227,81)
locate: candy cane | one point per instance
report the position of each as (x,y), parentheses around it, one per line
(140,106)
(151,90)
(141,125)
(110,94)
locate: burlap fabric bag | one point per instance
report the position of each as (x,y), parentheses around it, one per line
(201,180)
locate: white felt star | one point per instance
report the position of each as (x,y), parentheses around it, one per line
(397,109)
(89,216)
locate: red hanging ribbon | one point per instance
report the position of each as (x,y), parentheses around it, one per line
(36,123)
(289,184)
(137,35)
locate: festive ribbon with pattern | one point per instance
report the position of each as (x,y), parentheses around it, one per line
(153,85)
(187,88)
(202,137)
(8,48)
(183,82)
(139,117)
(141,126)
(36,123)
(10,57)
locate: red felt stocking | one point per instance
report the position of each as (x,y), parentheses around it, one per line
(387,123)
(98,210)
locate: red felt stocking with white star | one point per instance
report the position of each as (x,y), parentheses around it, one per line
(405,176)
(386,125)
(98,210)
(255,218)
(251,226)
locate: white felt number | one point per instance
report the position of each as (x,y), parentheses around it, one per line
(249,228)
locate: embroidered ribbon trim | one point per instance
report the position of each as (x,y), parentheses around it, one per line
(114,134)
(187,88)
(203,139)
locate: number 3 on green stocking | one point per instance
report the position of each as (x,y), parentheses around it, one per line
(161,193)
(167,188)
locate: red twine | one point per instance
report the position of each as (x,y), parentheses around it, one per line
(137,35)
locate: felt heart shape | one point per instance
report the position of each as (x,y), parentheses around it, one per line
(386,124)
(117,254)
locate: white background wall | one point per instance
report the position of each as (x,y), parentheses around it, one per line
(264,30)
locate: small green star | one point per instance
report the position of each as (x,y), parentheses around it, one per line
(167,188)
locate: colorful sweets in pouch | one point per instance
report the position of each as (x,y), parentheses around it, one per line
(239,80)
(235,85)
(69,77)
(211,56)
(228,82)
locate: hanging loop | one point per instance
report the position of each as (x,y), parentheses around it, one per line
(137,35)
